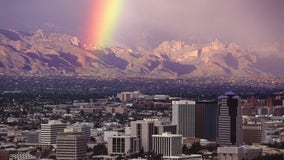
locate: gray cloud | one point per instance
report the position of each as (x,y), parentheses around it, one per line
(242,21)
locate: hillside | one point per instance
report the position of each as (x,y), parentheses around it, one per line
(41,53)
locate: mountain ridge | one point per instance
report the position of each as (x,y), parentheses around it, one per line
(42,53)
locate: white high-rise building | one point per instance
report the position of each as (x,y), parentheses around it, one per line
(167,144)
(50,130)
(229,126)
(144,129)
(184,117)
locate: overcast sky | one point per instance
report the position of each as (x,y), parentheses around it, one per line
(152,21)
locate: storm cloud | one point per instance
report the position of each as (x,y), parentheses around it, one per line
(145,22)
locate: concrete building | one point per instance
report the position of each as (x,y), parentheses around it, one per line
(161,128)
(238,153)
(167,144)
(31,136)
(170,146)
(184,117)
(50,130)
(206,120)
(144,129)
(71,145)
(252,152)
(85,128)
(127,96)
(161,97)
(117,109)
(4,155)
(232,153)
(15,155)
(108,134)
(185,157)
(127,130)
(253,133)
(123,145)
(281,136)
(22,156)
(229,125)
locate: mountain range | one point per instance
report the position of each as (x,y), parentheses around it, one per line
(40,53)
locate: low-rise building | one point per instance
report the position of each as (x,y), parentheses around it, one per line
(238,153)
(253,133)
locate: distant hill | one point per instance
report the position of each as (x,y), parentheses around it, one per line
(41,53)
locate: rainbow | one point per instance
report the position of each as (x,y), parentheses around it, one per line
(103,21)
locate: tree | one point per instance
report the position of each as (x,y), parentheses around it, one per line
(270,157)
(154,156)
(100,149)
(45,151)
(92,139)
(195,148)
(82,113)
(185,149)
(119,157)
(141,152)
(68,110)
(211,147)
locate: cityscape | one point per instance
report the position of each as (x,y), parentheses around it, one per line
(43,120)
(141,80)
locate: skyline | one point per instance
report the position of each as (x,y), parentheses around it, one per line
(147,23)
(146,79)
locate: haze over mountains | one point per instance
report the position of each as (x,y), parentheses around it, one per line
(41,53)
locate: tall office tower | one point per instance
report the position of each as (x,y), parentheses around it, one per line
(123,145)
(184,117)
(206,120)
(71,145)
(229,130)
(50,130)
(167,144)
(144,129)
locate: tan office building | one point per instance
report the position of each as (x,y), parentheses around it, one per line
(71,145)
